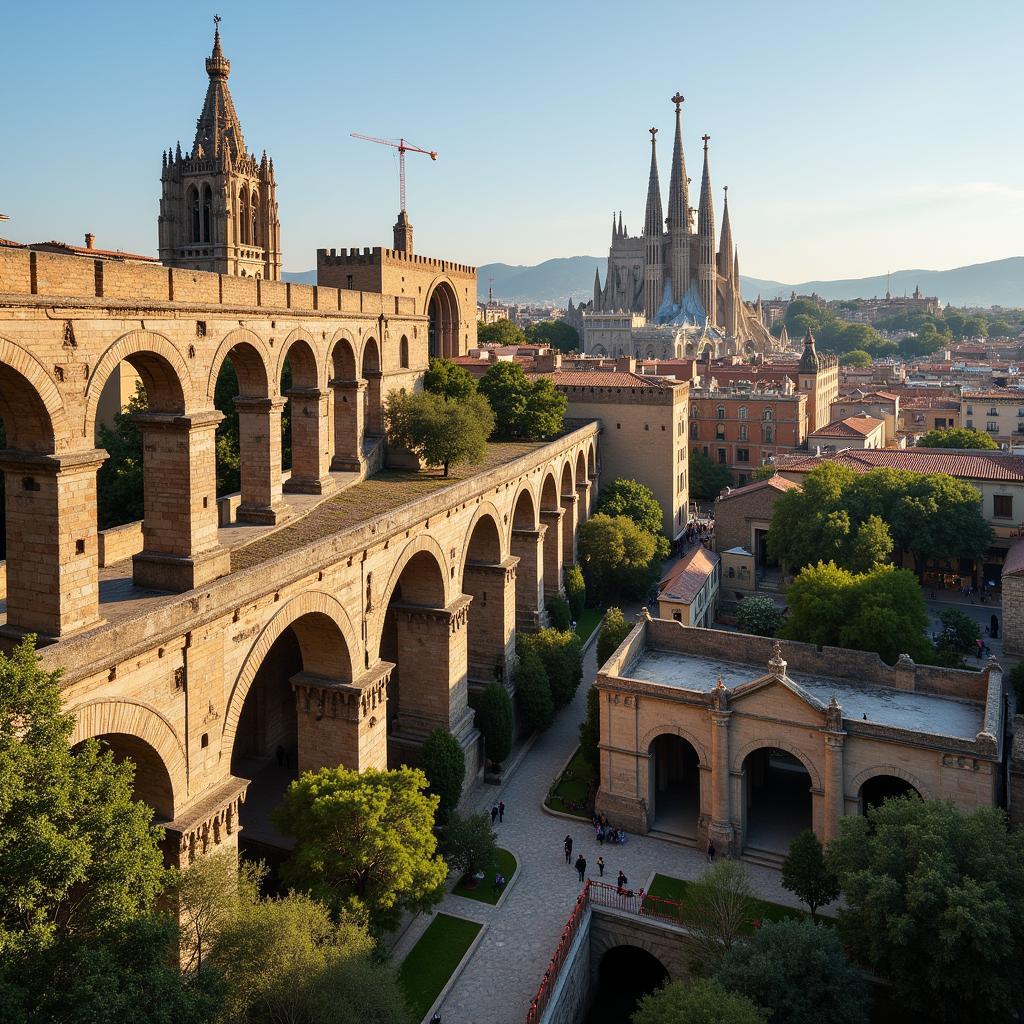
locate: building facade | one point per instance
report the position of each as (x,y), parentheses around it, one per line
(689,594)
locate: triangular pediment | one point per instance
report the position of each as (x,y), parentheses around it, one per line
(776,696)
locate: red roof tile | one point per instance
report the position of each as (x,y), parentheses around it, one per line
(851,426)
(963,463)
(607,379)
(688,575)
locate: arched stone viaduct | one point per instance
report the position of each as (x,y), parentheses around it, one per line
(347,645)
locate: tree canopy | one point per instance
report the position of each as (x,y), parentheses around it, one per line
(701,1001)
(448,379)
(806,875)
(636,501)
(855,357)
(441,431)
(496,722)
(561,336)
(524,409)
(707,478)
(760,615)
(364,842)
(444,764)
(614,629)
(561,653)
(618,557)
(533,691)
(501,332)
(957,437)
(934,901)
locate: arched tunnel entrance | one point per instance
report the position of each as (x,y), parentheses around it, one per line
(625,975)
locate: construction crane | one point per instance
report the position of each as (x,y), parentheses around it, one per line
(403,147)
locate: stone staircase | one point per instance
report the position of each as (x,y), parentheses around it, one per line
(764,858)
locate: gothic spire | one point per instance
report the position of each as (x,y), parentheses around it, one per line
(706,212)
(597,288)
(614,228)
(653,221)
(622,233)
(725,246)
(678,191)
(218,126)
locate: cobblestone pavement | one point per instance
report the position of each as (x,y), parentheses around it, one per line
(504,971)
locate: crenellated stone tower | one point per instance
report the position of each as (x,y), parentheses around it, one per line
(218,210)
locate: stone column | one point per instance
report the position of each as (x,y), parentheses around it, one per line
(311,457)
(374,422)
(52,557)
(209,827)
(259,435)
(552,519)
(179,531)
(492,619)
(569,529)
(528,547)
(341,723)
(583,493)
(720,831)
(592,477)
(834,784)
(349,424)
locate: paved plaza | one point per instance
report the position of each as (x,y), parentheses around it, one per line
(504,970)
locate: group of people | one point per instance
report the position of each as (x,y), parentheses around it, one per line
(580,864)
(604,833)
(498,812)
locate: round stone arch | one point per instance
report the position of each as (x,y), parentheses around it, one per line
(311,602)
(674,730)
(420,544)
(318,375)
(337,363)
(555,476)
(888,769)
(567,465)
(241,336)
(169,370)
(514,508)
(24,364)
(485,508)
(605,938)
(133,718)
(780,744)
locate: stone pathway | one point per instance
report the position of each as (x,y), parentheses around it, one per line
(502,976)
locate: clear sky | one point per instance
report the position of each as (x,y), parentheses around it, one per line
(855,137)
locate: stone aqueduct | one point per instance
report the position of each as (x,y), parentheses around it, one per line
(352,643)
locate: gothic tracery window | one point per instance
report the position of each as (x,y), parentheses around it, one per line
(207,214)
(192,203)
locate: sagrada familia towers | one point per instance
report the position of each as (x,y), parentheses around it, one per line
(668,292)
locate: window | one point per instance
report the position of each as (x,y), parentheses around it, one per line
(766,435)
(677,616)
(743,412)
(193,214)
(721,412)
(694,429)
(993,411)
(743,431)
(1002,506)
(721,456)
(719,431)
(969,424)
(207,208)
(693,412)
(243,218)
(970,410)
(742,454)
(991,427)
(403,352)
(766,415)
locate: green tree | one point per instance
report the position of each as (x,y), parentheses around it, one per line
(590,729)
(701,1001)
(449,380)
(561,653)
(496,722)
(614,629)
(286,961)
(956,437)
(855,357)
(444,763)
(559,612)
(720,911)
(759,615)
(935,903)
(707,478)
(763,472)
(806,875)
(798,971)
(575,590)
(524,410)
(870,544)
(77,854)
(618,557)
(959,631)
(364,842)
(558,334)
(441,431)
(470,843)
(119,497)
(534,691)
(501,332)
(636,501)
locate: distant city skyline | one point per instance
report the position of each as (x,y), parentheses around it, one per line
(877,138)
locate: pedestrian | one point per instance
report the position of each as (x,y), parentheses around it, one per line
(600,865)
(581,867)
(494,814)
(622,880)
(568,849)
(711,852)
(280,756)
(501,811)
(600,835)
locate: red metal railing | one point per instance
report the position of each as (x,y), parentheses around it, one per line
(598,894)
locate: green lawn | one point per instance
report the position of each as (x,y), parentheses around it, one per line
(485,891)
(679,890)
(588,621)
(577,783)
(430,963)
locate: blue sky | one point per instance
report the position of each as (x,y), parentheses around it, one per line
(855,137)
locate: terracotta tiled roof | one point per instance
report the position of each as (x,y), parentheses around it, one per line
(966,464)
(1011,395)
(7,243)
(777,483)
(851,426)
(688,575)
(100,254)
(926,402)
(607,379)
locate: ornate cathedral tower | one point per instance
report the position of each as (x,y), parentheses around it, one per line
(706,244)
(218,210)
(679,213)
(654,231)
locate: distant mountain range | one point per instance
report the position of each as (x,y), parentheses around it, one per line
(999,283)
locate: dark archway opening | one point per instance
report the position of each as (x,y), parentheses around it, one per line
(877,790)
(626,974)
(777,793)
(443,323)
(675,786)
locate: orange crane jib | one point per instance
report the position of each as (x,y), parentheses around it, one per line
(403,147)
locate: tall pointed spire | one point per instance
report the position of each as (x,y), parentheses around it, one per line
(706,276)
(622,232)
(653,220)
(706,212)
(218,125)
(615,232)
(725,246)
(678,190)
(597,289)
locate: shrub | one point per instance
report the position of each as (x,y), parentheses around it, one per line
(575,590)
(561,653)
(494,719)
(759,615)
(700,1001)
(806,874)
(720,909)
(558,611)
(470,842)
(614,629)
(534,692)
(590,729)
(444,764)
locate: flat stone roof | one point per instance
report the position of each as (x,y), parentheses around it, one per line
(883,705)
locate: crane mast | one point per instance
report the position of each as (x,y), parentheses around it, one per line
(403,147)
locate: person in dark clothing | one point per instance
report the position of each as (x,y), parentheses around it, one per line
(568,849)
(501,811)
(581,867)
(711,852)
(622,880)
(600,865)
(494,814)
